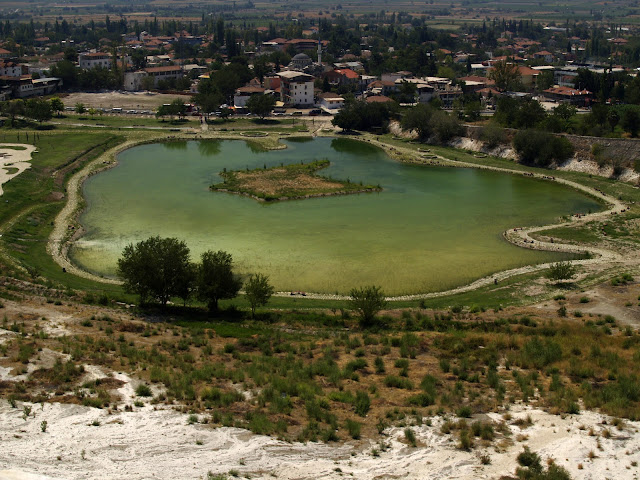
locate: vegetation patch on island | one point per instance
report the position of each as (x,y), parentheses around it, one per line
(287,182)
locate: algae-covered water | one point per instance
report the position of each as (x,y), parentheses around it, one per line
(430,229)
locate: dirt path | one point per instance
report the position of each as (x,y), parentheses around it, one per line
(60,239)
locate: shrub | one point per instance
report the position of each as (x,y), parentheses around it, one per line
(410,437)
(379,364)
(541,149)
(464,412)
(143,390)
(539,353)
(466,441)
(422,400)
(362,404)
(353,428)
(561,271)
(392,381)
(367,302)
(492,135)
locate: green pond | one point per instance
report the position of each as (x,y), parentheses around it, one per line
(430,229)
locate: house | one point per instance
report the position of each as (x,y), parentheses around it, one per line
(25,86)
(473,83)
(91,60)
(296,88)
(580,98)
(243,94)
(329,101)
(5,53)
(11,69)
(424,92)
(379,99)
(349,75)
(383,87)
(133,81)
(544,55)
(392,77)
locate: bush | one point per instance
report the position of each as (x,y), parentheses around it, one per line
(392,381)
(362,404)
(422,400)
(464,412)
(492,135)
(353,428)
(561,271)
(143,391)
(541,149)
(539,354)
(367,302)
(410,437)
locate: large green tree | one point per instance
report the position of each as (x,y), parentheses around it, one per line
(505,74)
(13,108)
(156,269)
(261,105)
(215,278)
(56,105)
(418,118)
(258,291)
(38,109)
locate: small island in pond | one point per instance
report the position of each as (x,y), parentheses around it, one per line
(287,182)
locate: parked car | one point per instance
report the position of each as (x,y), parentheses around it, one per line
(315,112)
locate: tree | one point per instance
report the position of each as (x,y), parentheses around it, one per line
(38,109)
(540,149)
(80,108)
(445,126)
(505,74)
(565,111)
(13,108)
(177,107)
(56,105)
(261,105)
(367,302)
(418,118)
(215,278)
(258,291)
(147,82)
(544,80)
(209,96)
(156,269)
(631,121)
(561,271)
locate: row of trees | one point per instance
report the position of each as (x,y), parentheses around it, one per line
(158,269)
(36,109)
(360,115)
(524,113)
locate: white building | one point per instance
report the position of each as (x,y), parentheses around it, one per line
(91,60)
(330,101)
(10,69)
(296,88)
(133,80)
(243,94)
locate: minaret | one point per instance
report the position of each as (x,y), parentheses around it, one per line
(319,53)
